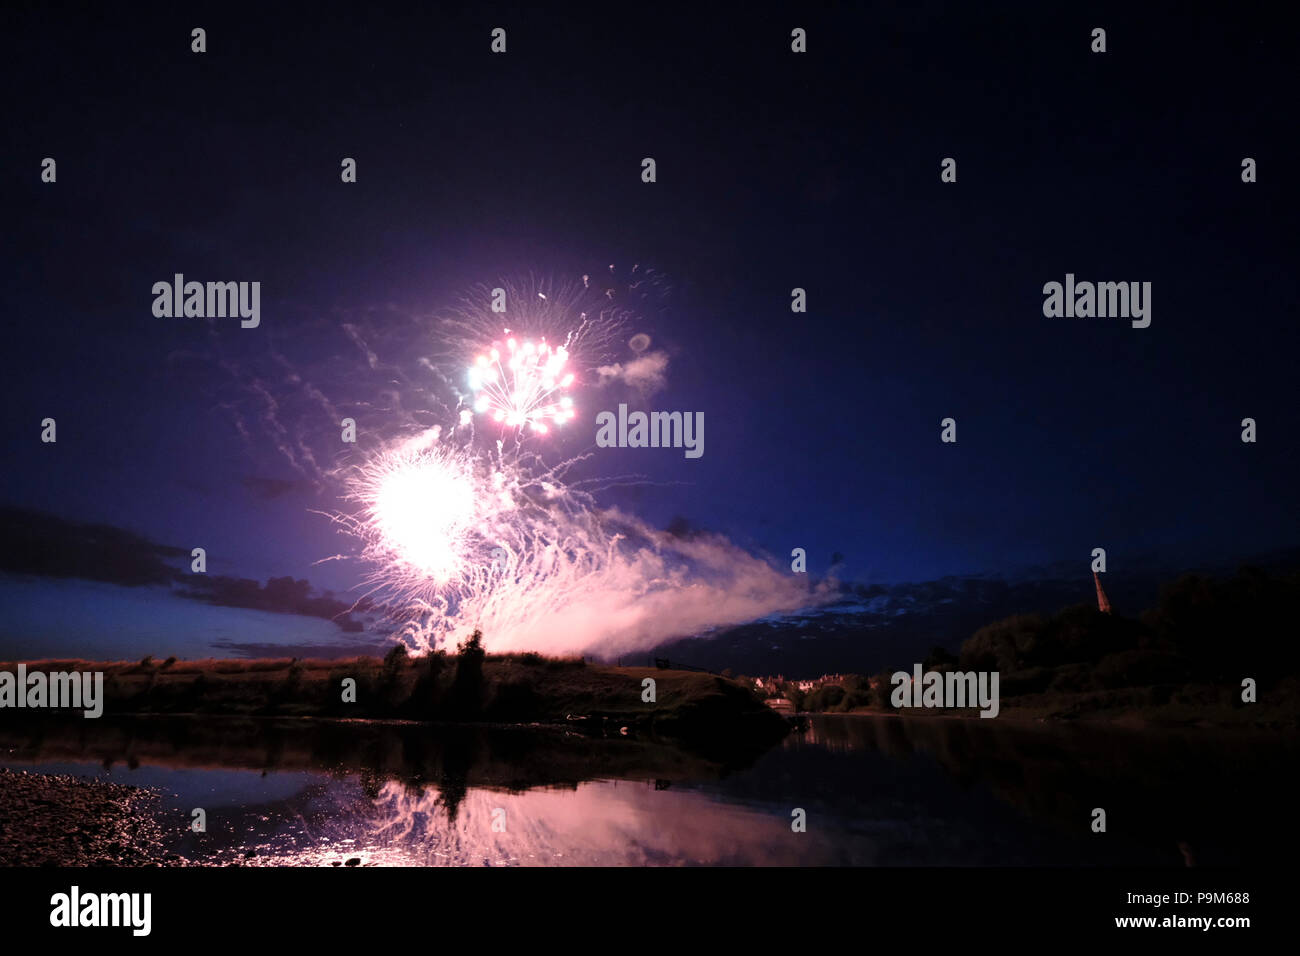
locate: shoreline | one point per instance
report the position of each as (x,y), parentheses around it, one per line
(1035,718)
(62,820)
(508,689)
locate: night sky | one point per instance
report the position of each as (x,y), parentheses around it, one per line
(775,170)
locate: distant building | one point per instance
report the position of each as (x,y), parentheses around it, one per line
(1103,604)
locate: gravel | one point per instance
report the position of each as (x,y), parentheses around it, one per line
(60,820)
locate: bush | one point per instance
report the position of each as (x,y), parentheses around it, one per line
(1033,680)
(1026,641)
(1138,668)
(1070,679)
(1231,626)
(824,698)
(884,689)
(514,700)
(436,661)
(1003,645)
(939,659)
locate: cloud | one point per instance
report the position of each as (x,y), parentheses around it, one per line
(279,595)
(270,488)
(646,373)
(42,545)
(320,652)
(32,542)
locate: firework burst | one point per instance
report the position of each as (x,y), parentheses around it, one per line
(520,385)
(456,534)
(456,540)
(527,343)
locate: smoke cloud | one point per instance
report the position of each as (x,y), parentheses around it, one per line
(647,373)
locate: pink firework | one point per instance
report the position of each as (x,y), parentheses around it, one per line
(523,385)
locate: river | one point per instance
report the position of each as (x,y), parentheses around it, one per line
(868,790)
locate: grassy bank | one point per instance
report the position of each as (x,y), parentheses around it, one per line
(1155,706)
(469,687)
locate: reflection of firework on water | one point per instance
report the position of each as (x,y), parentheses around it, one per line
(521,384)
(456,541)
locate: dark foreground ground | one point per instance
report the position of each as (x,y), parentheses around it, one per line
(57,820)
(60,820)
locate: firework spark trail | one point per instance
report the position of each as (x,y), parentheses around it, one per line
(459,541)
(585,317)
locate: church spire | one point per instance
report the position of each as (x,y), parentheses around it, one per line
(1103,605)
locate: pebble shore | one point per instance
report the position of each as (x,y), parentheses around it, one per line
(60,820)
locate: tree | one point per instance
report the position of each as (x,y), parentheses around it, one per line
(395,660)
(467,687)
(939,659)
(884,689)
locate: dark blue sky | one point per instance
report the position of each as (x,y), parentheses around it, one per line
(775,170)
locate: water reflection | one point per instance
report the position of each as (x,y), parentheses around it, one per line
(875,790)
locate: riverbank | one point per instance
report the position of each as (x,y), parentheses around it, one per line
(695,708)
(1157,707)
(59,820)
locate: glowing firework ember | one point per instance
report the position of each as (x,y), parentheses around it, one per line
(457,541)
(523,386)
(422,508)
(425,516)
